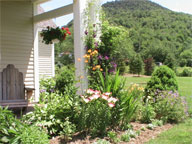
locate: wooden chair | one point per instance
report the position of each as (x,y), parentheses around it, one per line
(12,89)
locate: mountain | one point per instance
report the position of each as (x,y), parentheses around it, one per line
(154,31)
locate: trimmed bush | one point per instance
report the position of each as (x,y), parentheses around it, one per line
(163,78)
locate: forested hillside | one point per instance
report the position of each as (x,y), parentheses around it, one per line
(154,31)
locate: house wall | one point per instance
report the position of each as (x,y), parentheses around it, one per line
(16,38)
(46,59)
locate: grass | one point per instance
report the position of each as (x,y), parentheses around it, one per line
(179,134)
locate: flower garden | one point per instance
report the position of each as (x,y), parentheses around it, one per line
(104,113)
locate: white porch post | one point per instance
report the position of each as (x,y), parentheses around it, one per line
(36,56)
(79,7)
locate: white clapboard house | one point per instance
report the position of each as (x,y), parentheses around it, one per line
(21,58)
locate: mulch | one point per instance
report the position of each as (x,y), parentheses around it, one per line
(141,139)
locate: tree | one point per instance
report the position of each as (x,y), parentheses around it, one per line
(136,64)
(149,66)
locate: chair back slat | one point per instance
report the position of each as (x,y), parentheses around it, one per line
(12,84)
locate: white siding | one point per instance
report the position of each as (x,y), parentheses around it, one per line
(46,59)
(16,38)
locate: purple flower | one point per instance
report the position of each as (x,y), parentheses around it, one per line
(100,57)
(106,57)
(94,35)
(52,90)
(96,44)
(86,32)
(42,90)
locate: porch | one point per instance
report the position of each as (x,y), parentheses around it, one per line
(19,42)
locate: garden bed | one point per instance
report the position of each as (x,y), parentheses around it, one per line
(144,136)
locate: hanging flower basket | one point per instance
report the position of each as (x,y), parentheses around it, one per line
(54,35)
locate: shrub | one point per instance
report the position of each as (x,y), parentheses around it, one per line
(53,114)
(47,86)
(163,78)
(169,106)
(65,81)
(136,64)
(187,72)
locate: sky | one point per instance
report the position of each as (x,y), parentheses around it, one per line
(175,5)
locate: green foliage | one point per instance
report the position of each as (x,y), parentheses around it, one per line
(65,81)
(47,86)
(125,137)
(115,48)
(64,51)
(101,141)
(163,78)
(54,114)
(116,85)
(14,131)
(50,34)
(129,102)
(169,106)
(113,137)
(187,72)
(147,113)
(33,135)
(9,126)
(149,66)
(170,61)
(136,64)
(153,30)
(95,117)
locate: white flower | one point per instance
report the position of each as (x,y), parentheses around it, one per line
(111,105)
(104,97)
(112,99)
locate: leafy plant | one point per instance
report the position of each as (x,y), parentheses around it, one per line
(129,102)
(125,137)
(101,141)
(169,106)
(96,111)
(136,64)
(53,115)
(65,82)
(147,112)
(50,34)
(113,137)
(33,135)
(163,78)
(14,131)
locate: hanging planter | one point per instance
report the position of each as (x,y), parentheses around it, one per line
(54,35)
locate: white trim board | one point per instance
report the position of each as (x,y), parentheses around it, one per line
(65,10)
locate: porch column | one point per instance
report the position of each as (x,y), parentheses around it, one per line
(36,55)
(79,7)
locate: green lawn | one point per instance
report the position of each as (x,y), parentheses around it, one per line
(179,134)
